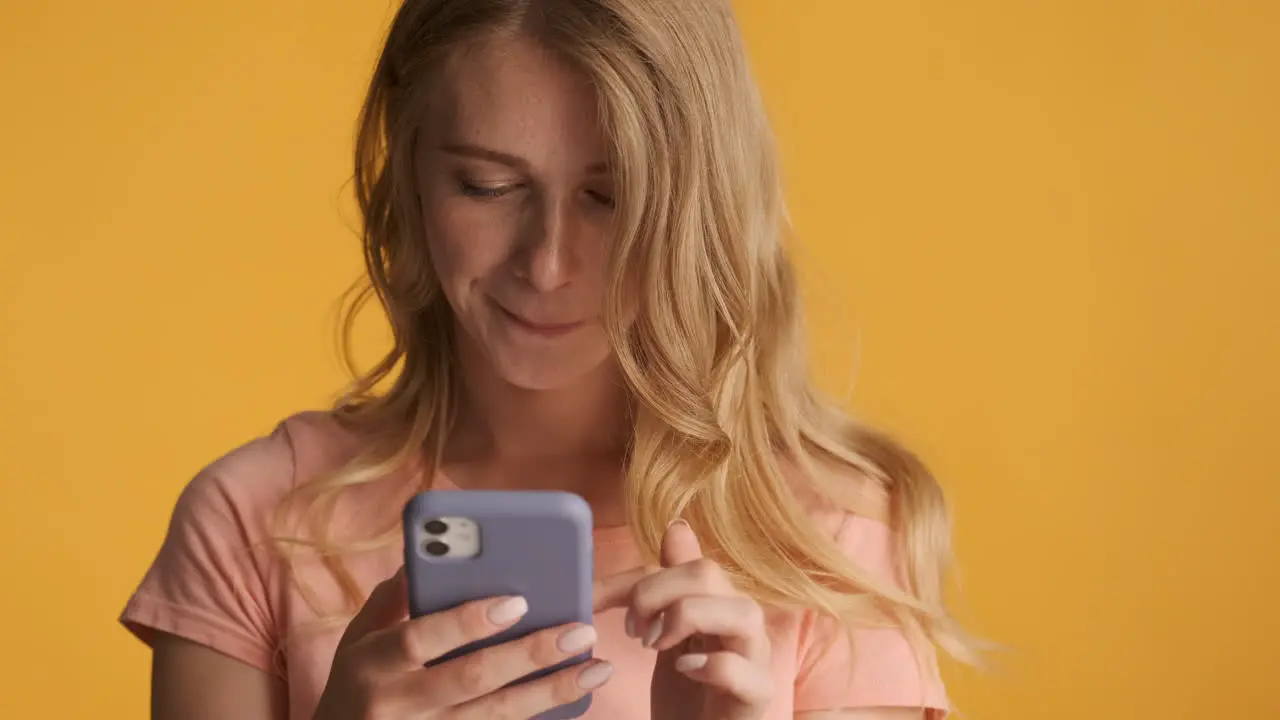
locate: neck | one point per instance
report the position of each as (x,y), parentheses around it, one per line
(502,422)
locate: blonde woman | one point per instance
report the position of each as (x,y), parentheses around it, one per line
(572,219)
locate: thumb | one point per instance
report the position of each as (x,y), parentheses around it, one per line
(387,604)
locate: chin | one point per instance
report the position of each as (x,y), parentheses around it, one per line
(529,362)
(548,371)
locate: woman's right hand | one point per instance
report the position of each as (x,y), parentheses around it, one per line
(378,667)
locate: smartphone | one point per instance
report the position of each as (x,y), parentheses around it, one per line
(463,545)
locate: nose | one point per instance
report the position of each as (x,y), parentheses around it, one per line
(548,254)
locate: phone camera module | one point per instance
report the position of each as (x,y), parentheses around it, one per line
(436,527)
(435,548)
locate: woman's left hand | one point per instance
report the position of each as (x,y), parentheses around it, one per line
(713,648)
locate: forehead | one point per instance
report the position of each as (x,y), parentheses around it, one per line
(512,94)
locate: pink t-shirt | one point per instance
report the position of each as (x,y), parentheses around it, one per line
(216,581)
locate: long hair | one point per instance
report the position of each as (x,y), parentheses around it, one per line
(703,314)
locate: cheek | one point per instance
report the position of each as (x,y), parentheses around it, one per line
(597,259)
(468,241)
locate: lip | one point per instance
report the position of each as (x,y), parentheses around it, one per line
(543,329)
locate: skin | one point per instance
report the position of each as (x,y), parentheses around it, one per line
(516,201)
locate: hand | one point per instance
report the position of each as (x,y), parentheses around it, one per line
(713,648)
(378,667)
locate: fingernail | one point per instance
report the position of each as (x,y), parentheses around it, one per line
(595,676)
(577,640)
(630,625)
(508,611)
(677,521)
(689,663)
(655,631)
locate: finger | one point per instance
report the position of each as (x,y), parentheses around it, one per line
(748,681)
(738,622)
(529,699)
(679,545)
(408,645)
(652,594)
(387,604)
(482,672)
(614,591)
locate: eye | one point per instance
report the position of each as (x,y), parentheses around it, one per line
(601,198)
(487,192)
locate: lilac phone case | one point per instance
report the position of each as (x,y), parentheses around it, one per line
(536,544)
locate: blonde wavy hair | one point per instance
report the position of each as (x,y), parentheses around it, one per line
(703,313)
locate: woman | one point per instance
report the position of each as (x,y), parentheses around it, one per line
(572,220)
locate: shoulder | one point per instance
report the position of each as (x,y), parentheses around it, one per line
(858,663)
(217,579)
(853,512)
(842,501)
(250,480)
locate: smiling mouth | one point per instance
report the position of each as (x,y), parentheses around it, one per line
(544,329)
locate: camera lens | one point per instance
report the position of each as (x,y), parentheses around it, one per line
(435,548)
(436,527)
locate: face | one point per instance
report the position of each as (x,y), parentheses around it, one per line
(517,204)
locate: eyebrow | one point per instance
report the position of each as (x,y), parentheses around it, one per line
(511,161)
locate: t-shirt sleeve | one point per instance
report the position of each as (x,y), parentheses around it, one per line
(884,669)
(214,577)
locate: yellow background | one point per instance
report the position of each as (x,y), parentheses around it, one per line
(1051,230)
